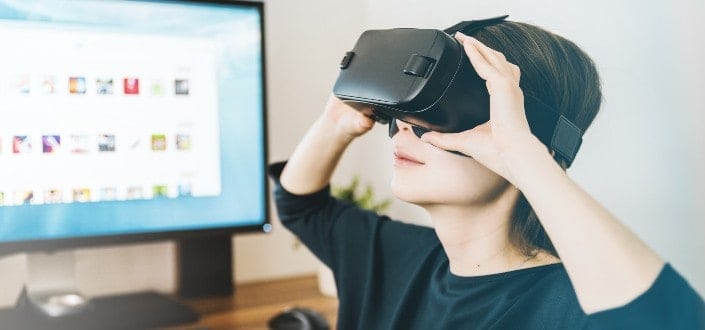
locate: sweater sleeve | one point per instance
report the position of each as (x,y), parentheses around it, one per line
(670,303)
(331,228)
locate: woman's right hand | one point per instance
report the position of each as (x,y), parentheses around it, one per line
(311,165)
(348,122)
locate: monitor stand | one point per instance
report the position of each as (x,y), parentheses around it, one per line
(51,284)
(50,300)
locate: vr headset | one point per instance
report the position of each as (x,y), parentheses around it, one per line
(423,77)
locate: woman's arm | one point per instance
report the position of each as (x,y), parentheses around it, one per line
(608,265)
(311,165)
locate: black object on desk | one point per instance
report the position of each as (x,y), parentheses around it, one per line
(129,311)
(298,318)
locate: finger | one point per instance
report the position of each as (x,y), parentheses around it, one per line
(483,68)
(450,141)
(516,73)
(365,122)
(493,56)
(498,80)
(496,59)
(510,68)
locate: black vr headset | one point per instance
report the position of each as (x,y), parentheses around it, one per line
(423,77)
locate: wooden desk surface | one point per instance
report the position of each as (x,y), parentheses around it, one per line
(255,303)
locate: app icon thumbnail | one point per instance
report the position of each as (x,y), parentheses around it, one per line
(104,86)
(156,87)
(24,197)
(160,191)
(79,143)
(106,142)
(47,84)
(21,144)
(77,85)
(20,83)
(158,142)
(131,86)
(134,143)
(53,196)
(181,86)
(183,141)
(51,143)
(82,195)
(108,194)
(134,192)
(184,190)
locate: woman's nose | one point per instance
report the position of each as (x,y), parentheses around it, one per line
(403,126)
(396,125)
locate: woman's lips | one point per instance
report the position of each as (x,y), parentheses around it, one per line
(402,159)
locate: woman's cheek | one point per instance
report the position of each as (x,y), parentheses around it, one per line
(444,178)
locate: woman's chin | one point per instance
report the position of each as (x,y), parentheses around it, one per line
(409,193)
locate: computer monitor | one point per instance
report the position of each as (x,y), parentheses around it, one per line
(124,121)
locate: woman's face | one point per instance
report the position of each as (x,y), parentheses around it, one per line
(426,175)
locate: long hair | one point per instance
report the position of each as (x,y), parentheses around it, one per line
(561,75)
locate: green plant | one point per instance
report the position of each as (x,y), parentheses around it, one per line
(365,200)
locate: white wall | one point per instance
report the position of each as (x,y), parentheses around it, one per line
(642,158)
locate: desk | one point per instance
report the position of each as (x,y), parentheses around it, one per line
(255,303)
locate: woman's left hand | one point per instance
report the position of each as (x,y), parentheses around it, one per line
(507,128)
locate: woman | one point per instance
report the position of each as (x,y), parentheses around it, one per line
(515,242)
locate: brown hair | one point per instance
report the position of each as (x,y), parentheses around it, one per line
(560,74)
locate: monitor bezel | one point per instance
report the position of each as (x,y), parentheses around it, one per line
(54,244)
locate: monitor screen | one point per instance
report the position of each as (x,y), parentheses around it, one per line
(126,118)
